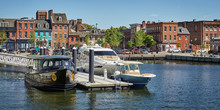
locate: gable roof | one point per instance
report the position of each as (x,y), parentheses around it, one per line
(56,18)
(43,25)
(182,30)
(11,22)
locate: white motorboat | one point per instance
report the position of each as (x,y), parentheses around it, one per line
(104,58)
(129,72)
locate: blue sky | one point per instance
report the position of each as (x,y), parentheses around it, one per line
(116,13)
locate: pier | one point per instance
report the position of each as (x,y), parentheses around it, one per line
(100,83)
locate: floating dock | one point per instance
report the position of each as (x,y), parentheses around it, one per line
(101,83)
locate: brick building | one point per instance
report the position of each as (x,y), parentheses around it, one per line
(136,27)
(25,27)
(9,27)
(60,27)
(164,33)
(202,32)
(127,37)
(41,15)
(183,38)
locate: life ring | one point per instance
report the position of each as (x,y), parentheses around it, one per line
(54,77)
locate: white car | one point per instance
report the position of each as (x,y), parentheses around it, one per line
(176,50)
(201,51)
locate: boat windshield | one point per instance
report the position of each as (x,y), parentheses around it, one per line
(133,67)
(50,64)
(102,53)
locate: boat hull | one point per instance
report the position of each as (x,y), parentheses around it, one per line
(60,80)
(137,80)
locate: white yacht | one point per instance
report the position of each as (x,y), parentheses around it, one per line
(104,58)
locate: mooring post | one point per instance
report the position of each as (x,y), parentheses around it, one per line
(91,66)
(142,57)
(63,50)
(41,50)
(45,50)
(74,56)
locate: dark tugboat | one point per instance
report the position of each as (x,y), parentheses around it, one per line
(51,73)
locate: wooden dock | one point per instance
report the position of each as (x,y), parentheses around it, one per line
(82,80)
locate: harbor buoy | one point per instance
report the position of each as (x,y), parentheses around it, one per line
(54,77)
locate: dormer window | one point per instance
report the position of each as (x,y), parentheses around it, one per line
(47,25)
(60,18)
(38,25)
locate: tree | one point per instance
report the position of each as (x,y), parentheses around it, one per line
(139,38)
(32,39)
(87,39)
(178,44)
(113,37)
(130,43)
(60,40)
(89,26)
(203,46)
(3,38)
(149,41)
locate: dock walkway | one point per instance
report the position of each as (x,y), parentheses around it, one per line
(82,80)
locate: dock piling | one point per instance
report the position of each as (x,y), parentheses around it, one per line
(63,50)
(74,56)
(41,50)
(91,66)
(44,50)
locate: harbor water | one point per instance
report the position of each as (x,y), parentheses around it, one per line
(178,85)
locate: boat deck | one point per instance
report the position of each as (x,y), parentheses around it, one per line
(82,80)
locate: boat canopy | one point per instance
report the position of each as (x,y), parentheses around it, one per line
(41,57)
(131,62)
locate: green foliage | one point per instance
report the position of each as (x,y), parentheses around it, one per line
(130,43)
(203,46)
(32,39)
(121,28)
(178,44)
(139,38)
(77,45)
(89,26)
(3,38)
(149,40)
(87,39)
(113,37)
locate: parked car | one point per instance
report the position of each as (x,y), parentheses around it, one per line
(125,51)
(136,51)
(22,50)
(11,51)
(57,52)
(201,51)
(175,50)
(187,50)
(34,52)
(118,50)
(143,51)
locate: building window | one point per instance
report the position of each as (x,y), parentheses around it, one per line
(38,25)
(55,36)
(215,28)
(62,44)
(25,34)
(49,34)
(55,27)
(31,26)
(210,36)
(180,38)
(50,43)
(196,28)
(206,36)
(206,28)
(60,36)
(170,28)
(13,34)
(47,25)
(19,34)
(65,36)
(170,37)
(20,25)
(38,34)
(60,18)
(76,38)
(60,27)
(165,37)
(165,28)
(80,39)
(174,37)
(71,38)
(65,27)
(44,34)
(55,44)
(185,37)
(185,45)
(174,28)
(210,28)
(215,35)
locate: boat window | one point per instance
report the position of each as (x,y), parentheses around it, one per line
(45,64)
(133,67)
(50,63)
(102,53)
(66,62)
(58,63)
(126,67)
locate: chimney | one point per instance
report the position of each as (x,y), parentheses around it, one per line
(79,21)
(184,24)
(50,13)
(148,22)
(143,24)
(194,20)
(74,22)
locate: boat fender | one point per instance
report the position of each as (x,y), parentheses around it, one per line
(54,77)
(72,75)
